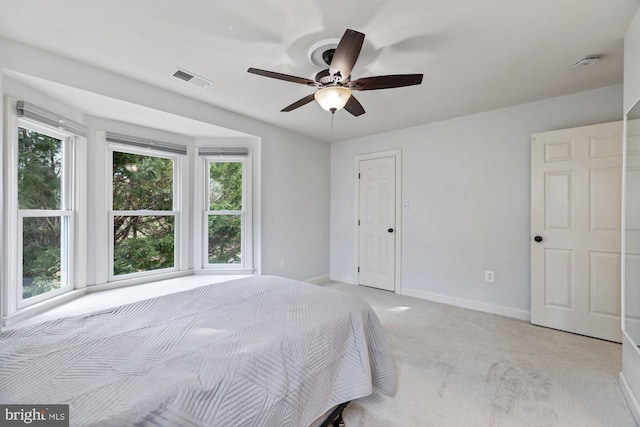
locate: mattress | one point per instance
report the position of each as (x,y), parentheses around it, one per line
(257,351)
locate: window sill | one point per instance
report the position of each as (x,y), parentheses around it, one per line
(41,307)
(138,280)
(223,271)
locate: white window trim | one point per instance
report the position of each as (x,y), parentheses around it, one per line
(176,212)
(246,216)
(12,292)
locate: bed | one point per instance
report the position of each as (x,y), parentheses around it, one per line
(257,351)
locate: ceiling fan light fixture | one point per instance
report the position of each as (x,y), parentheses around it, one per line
(333,98)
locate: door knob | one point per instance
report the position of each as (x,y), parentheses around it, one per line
(538,239)
(390,230)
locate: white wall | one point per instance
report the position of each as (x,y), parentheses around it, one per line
(467,181)
(295,208)
(294,169)
(630,375)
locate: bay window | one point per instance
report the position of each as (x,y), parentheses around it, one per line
(41,204)
(145,213)
(45,212)
(227,214)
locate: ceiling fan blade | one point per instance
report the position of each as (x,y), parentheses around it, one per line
(299,103)
(354,107)
(385,82)
(280,76)
(346,54)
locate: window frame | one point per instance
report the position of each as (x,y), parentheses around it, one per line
(66,213)
(176,212)
(246,216)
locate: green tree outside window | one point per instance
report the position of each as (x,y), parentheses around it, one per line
(39,188)
(142,242)
(225,230)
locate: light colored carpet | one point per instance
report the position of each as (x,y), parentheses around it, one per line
(458,367)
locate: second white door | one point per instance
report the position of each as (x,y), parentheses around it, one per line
(575,226)
(377,222)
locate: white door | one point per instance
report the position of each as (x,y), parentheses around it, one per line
(377,222)
(575,230)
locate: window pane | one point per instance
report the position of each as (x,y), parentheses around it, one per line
(142,243)
(41,255)
(39,170)
(225,186)
(142,182)
(224,239)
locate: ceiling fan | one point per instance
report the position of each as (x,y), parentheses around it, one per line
(335,85)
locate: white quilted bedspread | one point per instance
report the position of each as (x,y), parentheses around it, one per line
(259,351)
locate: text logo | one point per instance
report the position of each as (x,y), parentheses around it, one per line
(34,415)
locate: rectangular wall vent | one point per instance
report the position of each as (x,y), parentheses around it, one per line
(192,78)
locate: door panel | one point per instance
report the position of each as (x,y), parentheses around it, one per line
(575,208)
(558,276)
(604,284)
(558,200)
(605,186)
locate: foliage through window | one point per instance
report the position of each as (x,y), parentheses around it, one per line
(144,218)
(225,212)
(43,210)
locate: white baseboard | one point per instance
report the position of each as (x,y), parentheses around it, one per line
(473,305)
(319,280)
(630,397)
(344,279)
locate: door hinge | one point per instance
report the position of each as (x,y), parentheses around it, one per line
(358,222)
(358,175)
(358,269)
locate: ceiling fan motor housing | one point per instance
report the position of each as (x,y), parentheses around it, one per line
(327,56)
(321,53)
(325,78)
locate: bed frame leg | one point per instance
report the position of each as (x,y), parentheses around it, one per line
(335,418)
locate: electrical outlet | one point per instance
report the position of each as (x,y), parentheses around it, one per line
(283,263)
(489,276)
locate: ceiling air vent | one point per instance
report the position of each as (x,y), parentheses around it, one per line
(587,61)
(192,78)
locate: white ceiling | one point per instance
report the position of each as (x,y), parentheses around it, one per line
(93,104)
(475,55)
